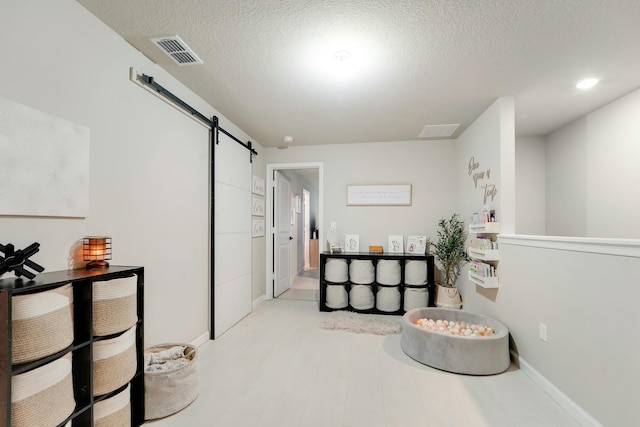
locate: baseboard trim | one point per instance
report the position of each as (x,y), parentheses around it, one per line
(257,301)
(201,339)
(575,410)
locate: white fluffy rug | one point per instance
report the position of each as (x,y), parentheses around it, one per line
(361,323)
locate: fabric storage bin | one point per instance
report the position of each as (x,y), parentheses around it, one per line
(361,297)
(171,379)
(361,271)
(114,362)
(415,272)
(114,305)
(336,296)
(42,324)
(336,270)
(114,411)
(415,297)
(43,397)
(388,298)
(388,272)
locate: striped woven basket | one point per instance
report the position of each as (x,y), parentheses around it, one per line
(114,411)
(42,324)
(114,305)
(114,362)
(43,397)
(169,391)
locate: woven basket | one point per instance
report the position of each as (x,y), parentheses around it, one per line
(415,297)
(114,411)
(42,324)
(114,362)
(43,397)
(167,392)
(114,305)
(388,298)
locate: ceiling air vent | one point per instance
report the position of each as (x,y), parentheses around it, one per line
(438,131)
(177,50)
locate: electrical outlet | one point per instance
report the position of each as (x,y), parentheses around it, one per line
(543,332)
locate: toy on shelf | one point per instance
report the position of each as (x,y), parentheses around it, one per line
(16,261)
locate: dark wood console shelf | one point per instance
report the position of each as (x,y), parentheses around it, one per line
(81,282)
(375,258)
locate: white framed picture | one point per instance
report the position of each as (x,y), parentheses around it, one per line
(352,243)
(257,186)
(417,245)
(257,230)
(396,244)
(257,206)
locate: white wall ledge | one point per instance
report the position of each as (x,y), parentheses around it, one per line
(618,247)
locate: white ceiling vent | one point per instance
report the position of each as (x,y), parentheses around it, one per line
(438,131)
(177,50)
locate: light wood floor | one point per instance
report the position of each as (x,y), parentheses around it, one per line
(277,368)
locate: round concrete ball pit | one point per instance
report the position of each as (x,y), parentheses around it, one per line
(459,354)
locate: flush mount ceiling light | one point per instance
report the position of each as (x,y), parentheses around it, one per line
(587,83)
(342,55)
(340,58)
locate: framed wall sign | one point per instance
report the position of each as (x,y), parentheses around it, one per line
(379,195)
(257,229)
(257,206)
(257,185)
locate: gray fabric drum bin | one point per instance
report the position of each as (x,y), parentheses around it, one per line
(171,379)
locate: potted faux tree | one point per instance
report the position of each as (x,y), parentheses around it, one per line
(450,252)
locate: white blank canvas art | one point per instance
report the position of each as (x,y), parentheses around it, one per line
(44,164)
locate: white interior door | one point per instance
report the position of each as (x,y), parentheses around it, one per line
(282,253)
(232,238)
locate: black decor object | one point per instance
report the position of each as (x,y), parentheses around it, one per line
(16,261)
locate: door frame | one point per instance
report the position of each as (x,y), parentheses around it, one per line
(305,228)
(269,214)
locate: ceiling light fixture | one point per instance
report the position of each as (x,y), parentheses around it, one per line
(342,55)
(587,83)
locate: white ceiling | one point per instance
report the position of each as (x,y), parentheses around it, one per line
(421,62)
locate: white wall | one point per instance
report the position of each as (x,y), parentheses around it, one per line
(593,177)
(481,164)
(149,172)
(573,286)
(424,164)
(530,185)
(584,298)
(566,161)
(258,258)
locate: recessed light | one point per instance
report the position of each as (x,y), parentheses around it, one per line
(587,83)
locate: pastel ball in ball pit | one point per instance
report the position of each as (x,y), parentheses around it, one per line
(459,354)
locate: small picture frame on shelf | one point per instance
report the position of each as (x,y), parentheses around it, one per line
(352,243)
(396,244)
(417,245)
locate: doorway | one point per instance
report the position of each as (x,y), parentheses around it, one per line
(303,177)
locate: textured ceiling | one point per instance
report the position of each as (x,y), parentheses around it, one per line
(413,63)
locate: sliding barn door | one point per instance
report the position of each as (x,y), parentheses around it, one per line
(232,235)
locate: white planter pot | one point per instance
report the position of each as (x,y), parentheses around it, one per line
(448,297)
